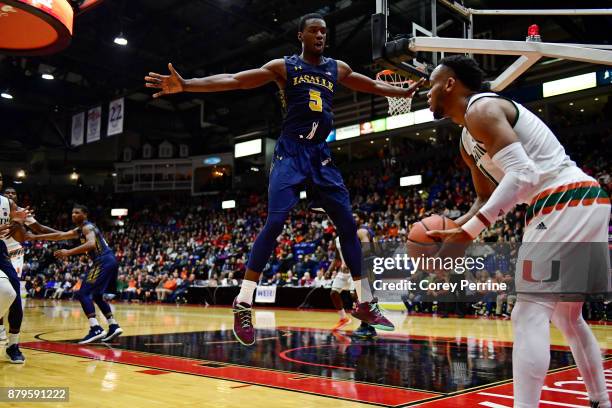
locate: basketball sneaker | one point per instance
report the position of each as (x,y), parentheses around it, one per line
(341,323)
(365,331)
(113,331)
(14,355)
(95,333)
(370,313)
(243,323)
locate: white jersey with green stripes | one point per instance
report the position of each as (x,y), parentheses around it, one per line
(539,142)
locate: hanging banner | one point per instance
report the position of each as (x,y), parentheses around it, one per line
(78,129)
(94,120)
(115,117)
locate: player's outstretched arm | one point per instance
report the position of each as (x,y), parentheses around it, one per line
(41,229)
(55,236)
(252,78)
(483,186)
(88,245)
(361,83)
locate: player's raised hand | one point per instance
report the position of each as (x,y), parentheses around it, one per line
(412,89)
(169,84)
(20,214)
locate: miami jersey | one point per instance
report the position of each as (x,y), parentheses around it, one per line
(308,97)
(537,139)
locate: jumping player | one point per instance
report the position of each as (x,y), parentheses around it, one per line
(515,158)
(101,275)
(14,248)
(307,83)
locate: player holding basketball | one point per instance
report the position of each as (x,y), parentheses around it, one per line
(102,274)
(14,248)
(307,82)
(515,158)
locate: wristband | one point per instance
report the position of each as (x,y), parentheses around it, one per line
(475,225)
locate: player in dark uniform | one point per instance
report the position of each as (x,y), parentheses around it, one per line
(102,274)
(307,82)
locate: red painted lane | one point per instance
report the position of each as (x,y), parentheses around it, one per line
(563,387)
(368,393)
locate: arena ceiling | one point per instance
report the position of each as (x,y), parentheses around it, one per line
(202,37)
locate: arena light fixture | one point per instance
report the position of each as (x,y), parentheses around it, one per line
(120,40)
(21,174)
(569,84)
(48,77)
(411,180)
(228,204)
(74,175)
(6,95)
(248,148)
(119,212)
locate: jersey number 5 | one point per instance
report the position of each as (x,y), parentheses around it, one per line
(315,104)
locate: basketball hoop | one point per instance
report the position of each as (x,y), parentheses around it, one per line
(397,105)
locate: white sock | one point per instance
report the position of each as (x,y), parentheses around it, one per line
(364,292)
(111,320)
(531,351)
(2,328)
(342,313)
(567,317)
(246,292)
(93,322)
(13,339)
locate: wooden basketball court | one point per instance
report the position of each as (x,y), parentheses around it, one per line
(186,356)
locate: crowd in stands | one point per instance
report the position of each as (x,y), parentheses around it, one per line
(169,243)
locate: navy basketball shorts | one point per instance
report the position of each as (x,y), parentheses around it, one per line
(299,166)
(101,276)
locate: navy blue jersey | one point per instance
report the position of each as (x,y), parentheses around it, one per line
(308,99)
(102,247)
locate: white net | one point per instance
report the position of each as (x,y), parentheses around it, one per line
(397,106)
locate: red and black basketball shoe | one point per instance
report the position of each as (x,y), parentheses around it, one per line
(243,323)
(370,313)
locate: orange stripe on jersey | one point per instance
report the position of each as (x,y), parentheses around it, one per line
(562,203)
(548,208)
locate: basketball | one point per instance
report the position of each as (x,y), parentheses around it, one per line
(419,243)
